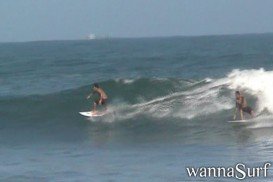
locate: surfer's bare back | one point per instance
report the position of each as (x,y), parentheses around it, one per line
(102,97)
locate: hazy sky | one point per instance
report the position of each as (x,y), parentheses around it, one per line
(26,20)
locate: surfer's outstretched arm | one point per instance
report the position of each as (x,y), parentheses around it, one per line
(88,96)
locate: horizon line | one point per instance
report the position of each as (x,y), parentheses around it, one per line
(139,37)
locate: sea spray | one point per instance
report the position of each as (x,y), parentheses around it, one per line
(258,83)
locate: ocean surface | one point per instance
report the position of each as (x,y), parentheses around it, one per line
(170,100)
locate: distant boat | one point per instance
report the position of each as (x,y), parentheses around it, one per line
(91,36)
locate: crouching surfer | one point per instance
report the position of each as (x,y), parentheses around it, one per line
(241,106)
(102,97)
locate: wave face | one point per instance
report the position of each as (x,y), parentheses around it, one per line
(168,84)
(257,83)
(155,98)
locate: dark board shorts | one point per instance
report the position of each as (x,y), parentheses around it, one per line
(103,101)
(247,109)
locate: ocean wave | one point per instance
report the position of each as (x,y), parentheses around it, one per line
(257,83)
(157,98)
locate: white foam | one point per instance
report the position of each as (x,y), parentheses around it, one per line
(262,122)
(199,101)
(206,99)
(125,81)
(258,83)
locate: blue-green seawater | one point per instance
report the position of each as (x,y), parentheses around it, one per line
(170,100)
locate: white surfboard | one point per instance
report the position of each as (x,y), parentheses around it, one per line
(242,121)
(92,114)
(238,121)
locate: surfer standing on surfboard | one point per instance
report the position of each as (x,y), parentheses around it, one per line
(102,97)
(241,105)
